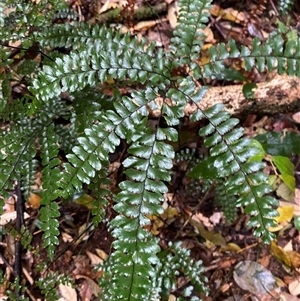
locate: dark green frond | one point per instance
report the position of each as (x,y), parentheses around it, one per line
(51,176)
(136,248)
(88,156)
(100,63)
(174,260)
(87,107)
(229,155)
(28,172)
(101,192)
(17,143)
(285,6)
(132,265)
(274,54)
(226,201)
(188,37)
(66,13)
(48,284)
(2,15)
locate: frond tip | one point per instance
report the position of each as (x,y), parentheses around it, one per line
(188,37)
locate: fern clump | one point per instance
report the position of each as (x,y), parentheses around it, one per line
(68,125)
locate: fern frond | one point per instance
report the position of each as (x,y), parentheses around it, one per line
(17,143)
(88,156)
(229,155)
(28,174)
(5,87)
(131,267)
(193,269)
(2,14)
(174,261)
(28,67)
(284,6)
(49,283)
(66,13)
(226,201)
(274,54)
(84,113)
(50,175)
(73,35)
(188,37)
(101,192)
(132,271)
(65,136)
(103,61)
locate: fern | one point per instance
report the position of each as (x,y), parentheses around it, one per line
(65,13)
(227,202)
(229,157)
(49,283)
(188,37)
(51,176)
(2,14)
(274,54)
(177,261)
(69,112)
(285,5)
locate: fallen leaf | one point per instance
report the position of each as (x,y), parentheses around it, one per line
(95,260)
(66,237)
(296,117)
(92,284)
(285,216)
(101,254)
(297,196)
(172,297)
(84,200)
(294,287)
(215,218)
(9,204)
(209,35)
(287,297)
(212,236)
(67,292)
(253,277)
(285,192)
(159,221)
(145,25)
(230,247)
(34,200)
(294,258)
(294,205)
(229,14)
(108,5)
(85,292)
(9,216)
(173,15)
(288,246)
(280,254)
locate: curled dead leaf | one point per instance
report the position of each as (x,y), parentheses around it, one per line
(95,260)
(9,216)
(280,254)
(94,287)
(294,258)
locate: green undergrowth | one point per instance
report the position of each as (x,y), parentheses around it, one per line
(62,122)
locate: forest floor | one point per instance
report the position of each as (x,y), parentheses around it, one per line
(190,215)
